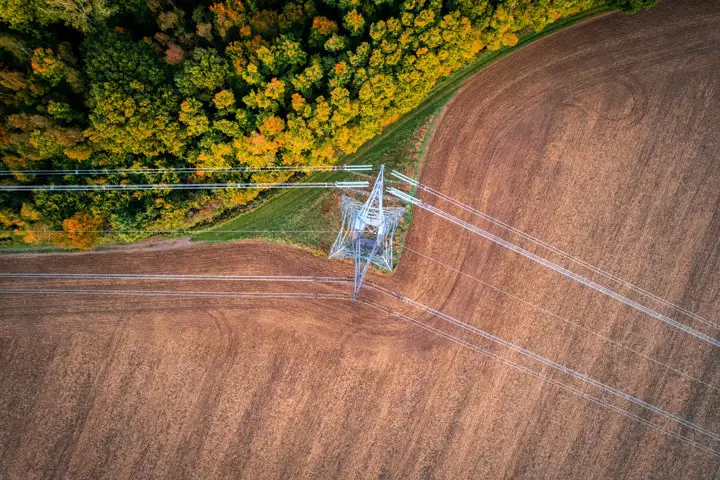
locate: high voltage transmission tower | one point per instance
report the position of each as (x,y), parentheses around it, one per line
(366,232)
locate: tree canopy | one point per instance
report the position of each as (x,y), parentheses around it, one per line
(160,83)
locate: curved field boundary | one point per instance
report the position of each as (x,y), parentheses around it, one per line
(285,202)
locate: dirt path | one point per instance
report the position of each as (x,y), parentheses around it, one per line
(602,141)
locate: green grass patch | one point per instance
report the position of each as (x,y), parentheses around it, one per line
(310,218)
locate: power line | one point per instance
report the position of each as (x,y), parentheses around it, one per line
(445,335)
(180,186)
(371,177)
(387,292)
(166,293)
(598,401)
(547,362)
(120,171)
(320,279)
(563,271)
(564,319)
(18,231)
(551,248)
(178,277)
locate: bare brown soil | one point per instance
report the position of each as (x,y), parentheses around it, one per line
(601,140)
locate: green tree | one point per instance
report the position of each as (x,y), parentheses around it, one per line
(83,15)
(46,65)
(153,83)
(202,74)
(193,117)
(354,22)
(133,105)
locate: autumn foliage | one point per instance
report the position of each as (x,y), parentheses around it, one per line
(82,229)
(157,83)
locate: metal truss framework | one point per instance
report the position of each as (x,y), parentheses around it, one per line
(366,232)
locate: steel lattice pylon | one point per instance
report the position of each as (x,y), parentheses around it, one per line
(366,232)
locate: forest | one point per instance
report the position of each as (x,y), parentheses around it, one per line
(148,84)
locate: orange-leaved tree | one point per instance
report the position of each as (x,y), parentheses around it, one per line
(82,229)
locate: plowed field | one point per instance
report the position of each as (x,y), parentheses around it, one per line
(601,140)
